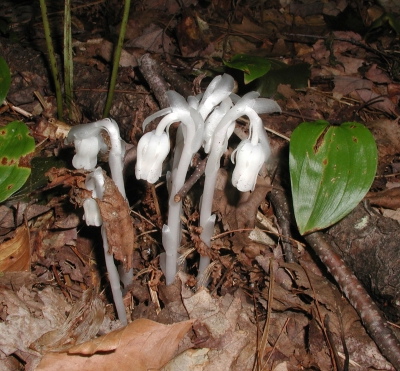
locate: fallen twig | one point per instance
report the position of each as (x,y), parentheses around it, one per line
(151,71)
(372,318)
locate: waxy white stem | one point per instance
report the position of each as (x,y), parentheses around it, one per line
(113,277)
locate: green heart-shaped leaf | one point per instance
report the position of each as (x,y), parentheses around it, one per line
(331,170)
(15,146)
(252,66)
(5,79)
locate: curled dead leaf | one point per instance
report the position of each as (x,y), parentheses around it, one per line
(15,253)
(141,345)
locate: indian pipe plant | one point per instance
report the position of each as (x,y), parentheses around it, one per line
(88,143)
(331,169)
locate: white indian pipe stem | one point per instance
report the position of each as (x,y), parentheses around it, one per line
(207,220)
(172,231)
(116,153)
(113,277)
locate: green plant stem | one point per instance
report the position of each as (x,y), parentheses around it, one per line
(52,59)
(117,55)
(67,52)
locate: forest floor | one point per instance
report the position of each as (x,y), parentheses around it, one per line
(336,60)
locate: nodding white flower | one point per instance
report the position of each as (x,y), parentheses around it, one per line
(249,159)
(94,182)
(152,150)
(92,214)
(86,153)
(218,89)
(88,142)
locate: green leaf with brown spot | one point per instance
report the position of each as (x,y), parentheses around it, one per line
(16,146)
(5,79)
(331,170)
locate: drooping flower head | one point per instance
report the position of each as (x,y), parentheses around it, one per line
(152,150)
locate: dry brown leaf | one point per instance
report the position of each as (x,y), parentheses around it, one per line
(141,345)
(29,314)
(387,137)
(15,253)
(346,84)
(377,75)
(153,39)
(82,324)
(383,103)
(389,198)
(115,213)
(104,49)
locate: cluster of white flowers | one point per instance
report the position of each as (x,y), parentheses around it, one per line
(206,120)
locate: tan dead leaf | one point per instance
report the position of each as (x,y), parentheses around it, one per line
(15,253)
(394,214)
(250,28)
(115,213)
(377,75)
(189,360)
(141,345)
(389,198)
(28,314)
(153,39)
(82,324)
(383,103)
(104,49)
(387,137)
(346,84)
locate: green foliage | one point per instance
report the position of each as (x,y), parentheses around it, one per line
(296,76)
(15,146)
(253,67)
(5,79)
(386,18)
(37,179)
(331,170)
(116,58)
(67,54)
(266,74)
(52,58)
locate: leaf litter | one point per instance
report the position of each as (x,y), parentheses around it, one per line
(59,312)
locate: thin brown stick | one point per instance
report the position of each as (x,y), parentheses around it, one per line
(347,40)
(115,91)
(332,347)
(197,173)
(155,200)
(264,338)
(276,342)
(322,323)
(282,212)
(262,230)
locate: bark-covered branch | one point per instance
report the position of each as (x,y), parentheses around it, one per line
(358,297)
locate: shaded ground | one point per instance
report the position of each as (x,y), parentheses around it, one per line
(63,298)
